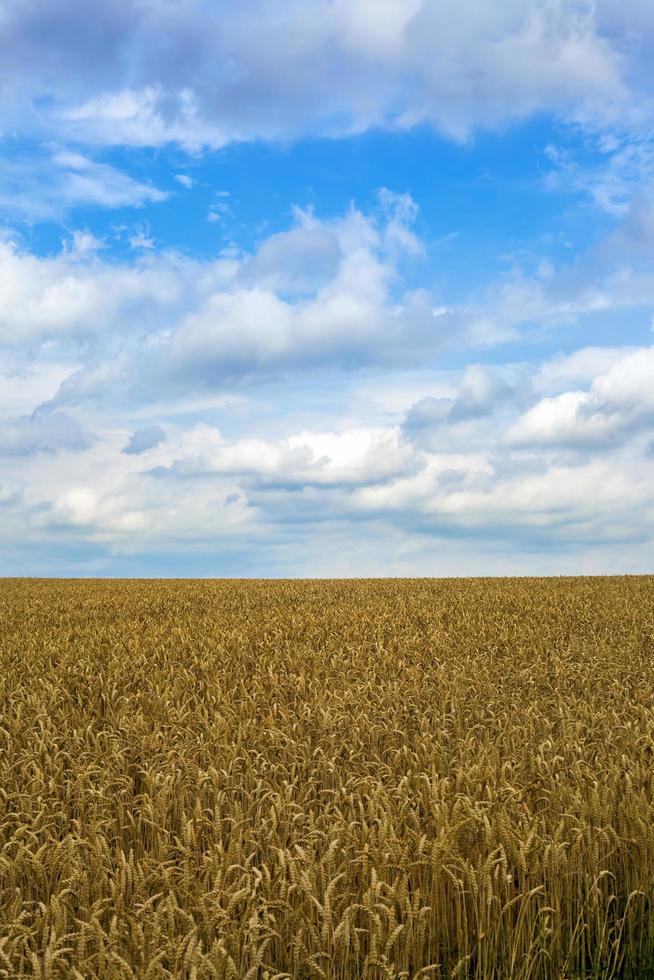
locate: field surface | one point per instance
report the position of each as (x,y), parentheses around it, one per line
(381,779)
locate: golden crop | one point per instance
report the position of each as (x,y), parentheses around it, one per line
(339,779)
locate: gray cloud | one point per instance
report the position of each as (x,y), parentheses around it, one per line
(201,73)
(144,439)
(42,432)
(481,391)
(297,261)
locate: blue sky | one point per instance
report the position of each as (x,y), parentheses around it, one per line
(330,287)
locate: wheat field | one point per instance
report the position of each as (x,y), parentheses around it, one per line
(341,779)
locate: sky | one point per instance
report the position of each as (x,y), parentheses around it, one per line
(326,287)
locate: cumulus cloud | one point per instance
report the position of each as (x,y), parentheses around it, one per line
(75,294)
(620,401)
(299,260)
(481,391)
(563,371)
(345,310)
(547,477)
(356,457)
(201,75)
(324,293)
(139,410)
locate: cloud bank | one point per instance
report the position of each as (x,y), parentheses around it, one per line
(205,74)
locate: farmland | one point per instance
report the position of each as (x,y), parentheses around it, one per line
(341,779)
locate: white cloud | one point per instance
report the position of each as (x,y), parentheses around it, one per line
(198,489)
(544,458)
(83,245)
(218,211)
(83,181)
(324,293)
(141,240)
(574,418)
(575,493)
(578,368)
(141,118)
(355,457)
(186,181)
(622,164)
(321,293)
(47,187)
(199,75)
(620,400)
(75,294)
